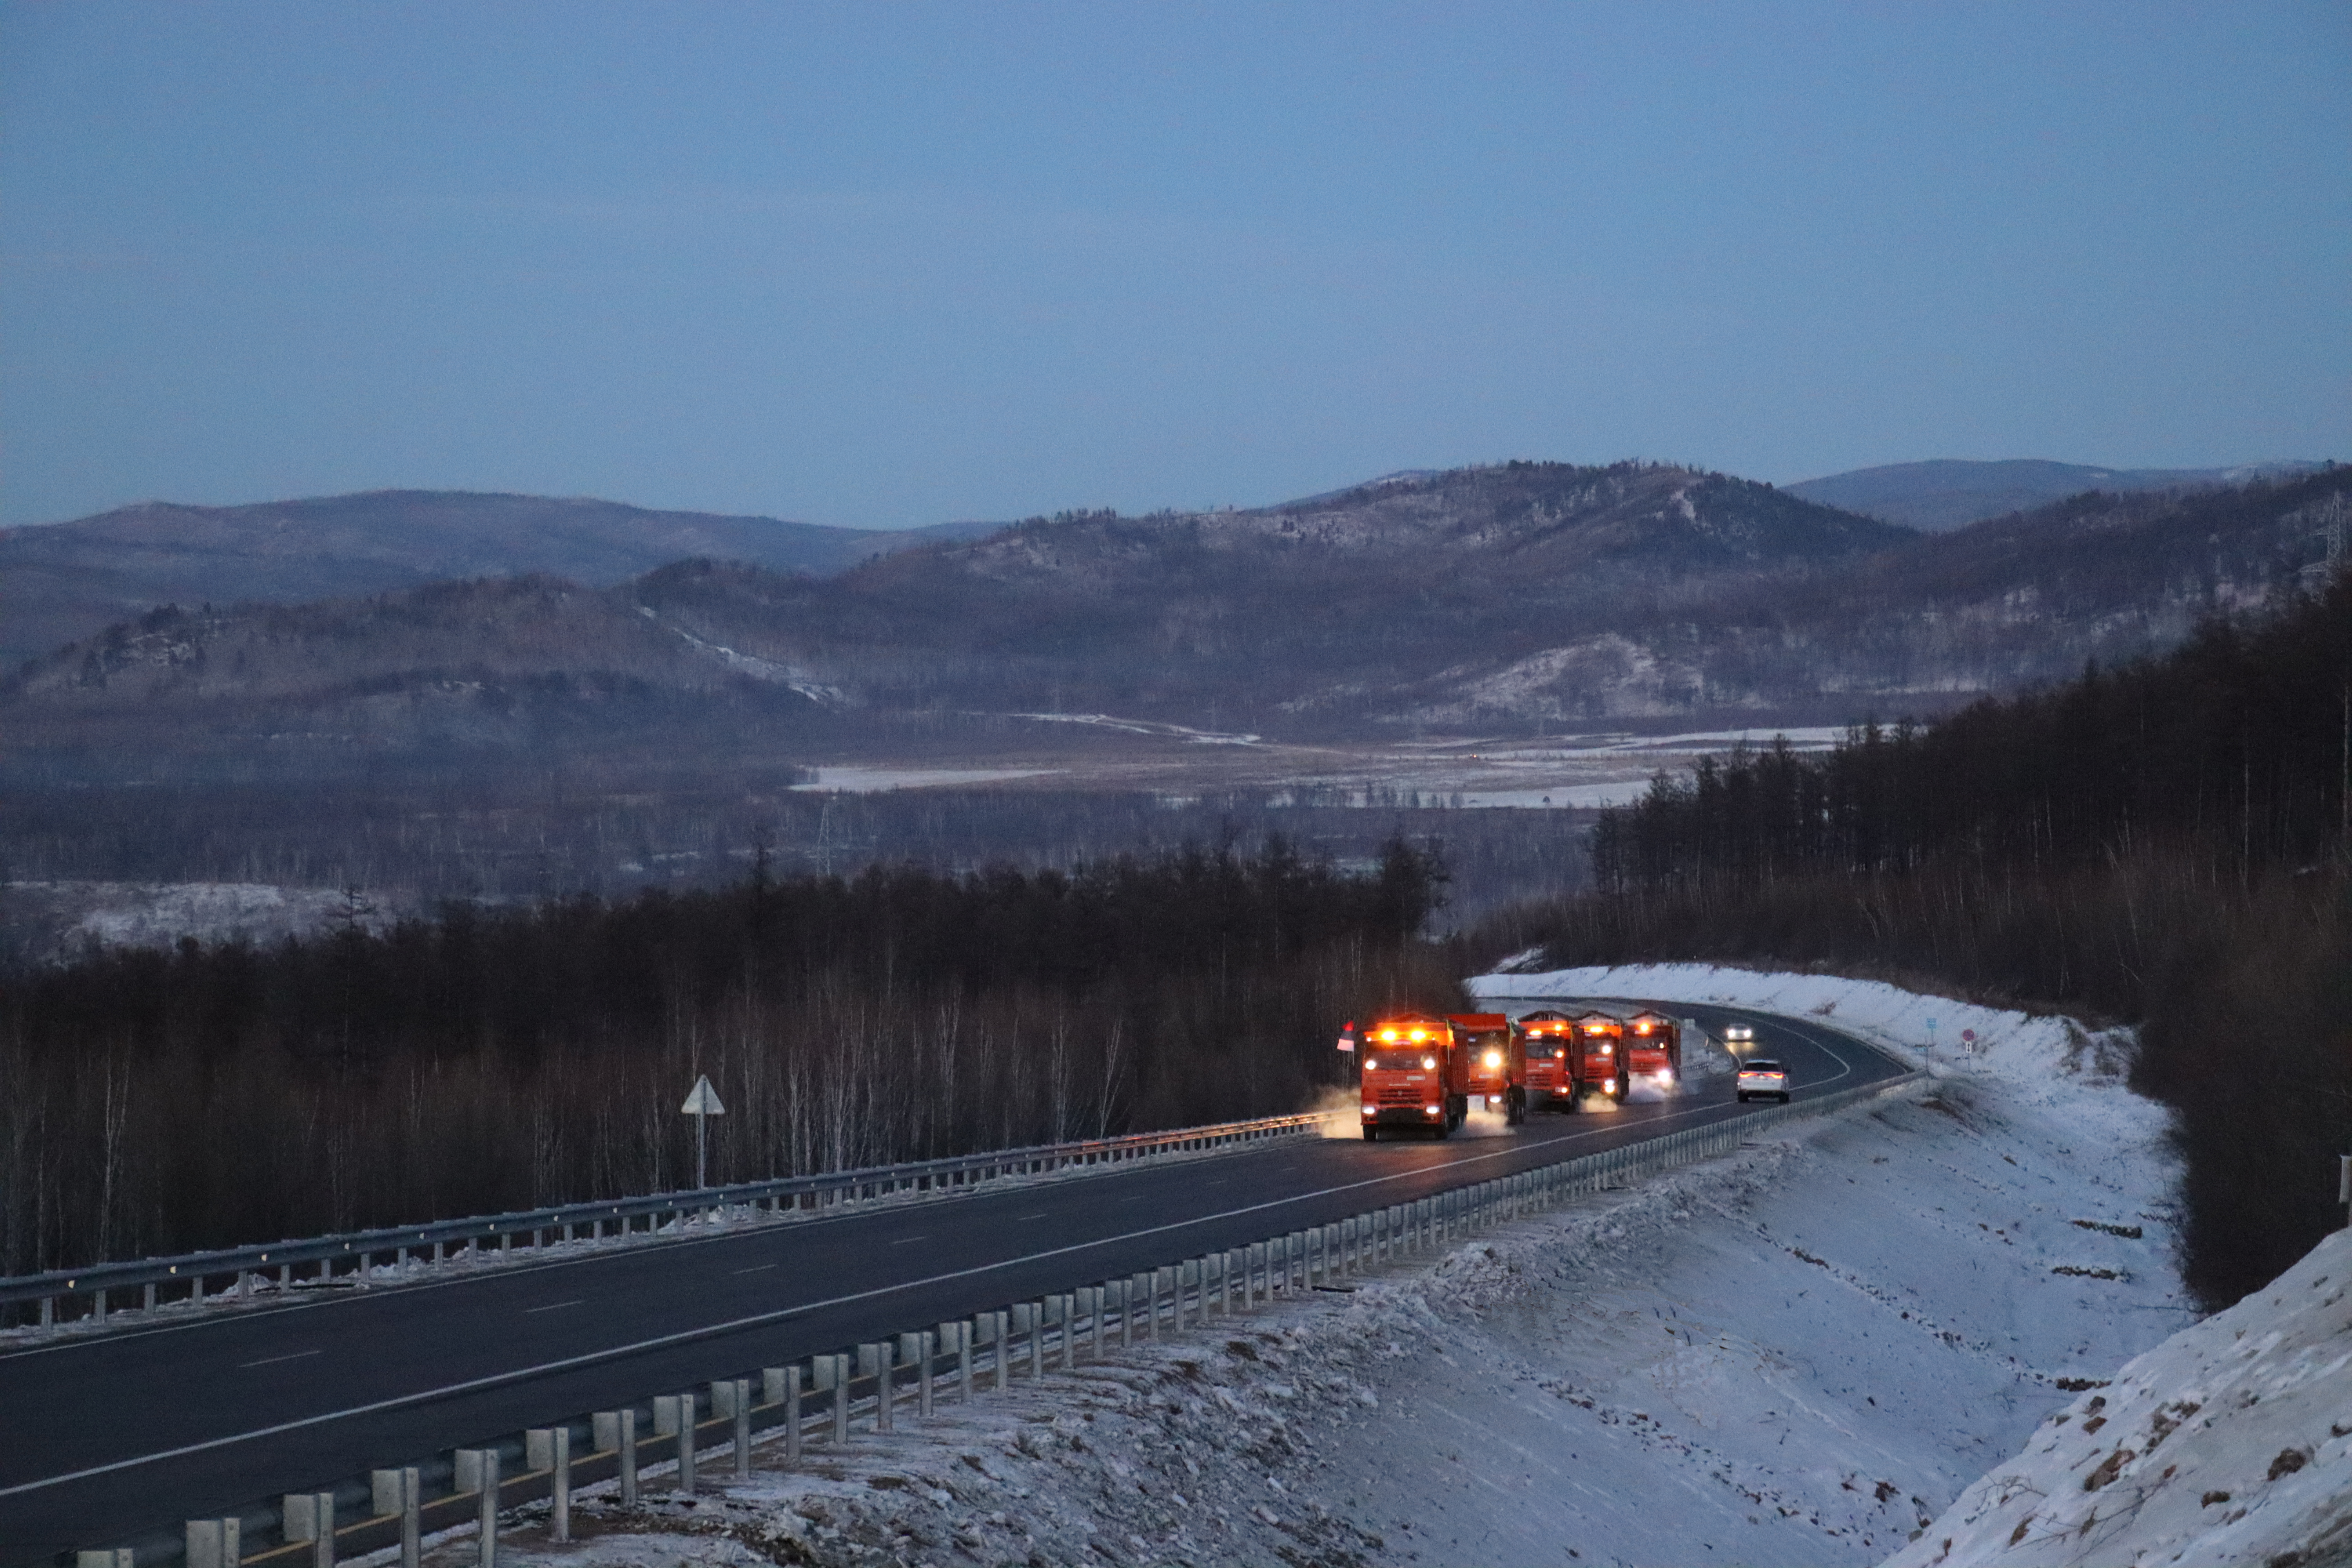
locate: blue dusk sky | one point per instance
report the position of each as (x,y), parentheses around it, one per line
(890,264)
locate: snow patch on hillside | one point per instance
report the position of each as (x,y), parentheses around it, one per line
(2231,1441)
(51,921)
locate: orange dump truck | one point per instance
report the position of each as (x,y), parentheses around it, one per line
(1555,1062)
(1651,1051)
(1422,1072)
(1493,1068)
(1601,1036)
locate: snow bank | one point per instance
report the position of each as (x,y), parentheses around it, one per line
(2230,1442)
(1800,1354)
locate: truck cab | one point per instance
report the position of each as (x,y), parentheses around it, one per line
(1406,1075)
(1548,1046)
(1652,1051)
(1601,1036)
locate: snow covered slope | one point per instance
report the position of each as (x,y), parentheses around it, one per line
(2230,1442)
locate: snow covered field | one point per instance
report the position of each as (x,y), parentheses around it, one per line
(1804,1353)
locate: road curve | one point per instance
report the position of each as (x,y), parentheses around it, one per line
(111,1437)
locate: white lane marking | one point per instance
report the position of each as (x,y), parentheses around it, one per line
(909,1240)
(274,1360)
(762,1319)
(1845,1068)
(550,1307)
(1025,1218)
(756,1269)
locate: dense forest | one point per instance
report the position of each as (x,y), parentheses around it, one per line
(2168,842)
(489,1058)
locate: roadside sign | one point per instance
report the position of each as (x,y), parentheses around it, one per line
(702,1103)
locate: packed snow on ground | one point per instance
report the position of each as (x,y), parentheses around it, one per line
(1802,1353)
(2230,1442)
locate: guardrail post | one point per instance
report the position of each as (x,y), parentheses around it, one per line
(489,1489)
(790,1396)
(604,1431)
(394,1494)
(310,1516)
(886,1365)
(686,1441)
(742,1390)
(214,1542)
(841,1366)
(559,1486)
(959,1334)
(105,1557)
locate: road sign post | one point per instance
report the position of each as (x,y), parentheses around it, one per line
(702,1103)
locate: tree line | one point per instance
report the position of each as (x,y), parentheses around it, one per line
(2168,842)
(497,1059)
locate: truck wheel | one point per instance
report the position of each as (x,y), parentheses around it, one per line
(1371,1134)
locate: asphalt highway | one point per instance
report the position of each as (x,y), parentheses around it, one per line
(113,1436)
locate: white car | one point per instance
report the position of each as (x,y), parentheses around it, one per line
(1761,1080)
(1739,1035)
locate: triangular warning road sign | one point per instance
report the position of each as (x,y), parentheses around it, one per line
(703,1100)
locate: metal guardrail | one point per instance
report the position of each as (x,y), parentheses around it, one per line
(814,1401)
(188,1277)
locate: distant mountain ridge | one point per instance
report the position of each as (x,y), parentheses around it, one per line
(1306,617)
(1514,599)
(1947,493)
(60,581)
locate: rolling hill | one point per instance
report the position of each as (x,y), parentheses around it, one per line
(60,581)
(1948,493)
